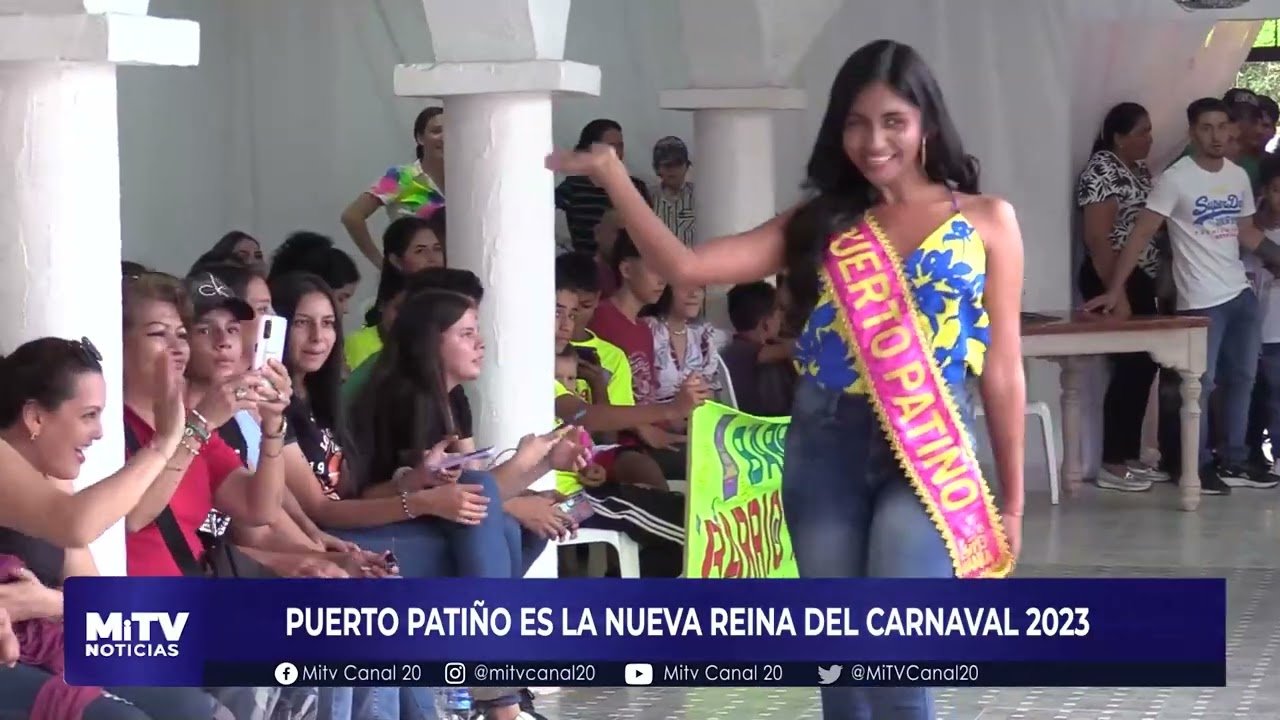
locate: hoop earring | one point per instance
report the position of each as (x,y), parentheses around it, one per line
(924,152)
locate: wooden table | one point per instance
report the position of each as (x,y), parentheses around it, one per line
(1174,342)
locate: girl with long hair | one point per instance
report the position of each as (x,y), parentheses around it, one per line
(433,529)
(51,407)
(912,282)
(413,189)
(410,244)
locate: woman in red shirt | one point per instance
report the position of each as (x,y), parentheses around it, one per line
(204,472)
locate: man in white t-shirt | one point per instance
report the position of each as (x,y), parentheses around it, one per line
(1207,203)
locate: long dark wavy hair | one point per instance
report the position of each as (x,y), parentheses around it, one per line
(839,193)
(404,409)
(323,385)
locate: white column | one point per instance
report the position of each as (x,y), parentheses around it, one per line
(60,186)
(497,89)
(733,153)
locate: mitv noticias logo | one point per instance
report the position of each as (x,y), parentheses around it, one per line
(135,634)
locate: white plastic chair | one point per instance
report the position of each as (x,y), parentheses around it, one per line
(1048,438)
(597,561)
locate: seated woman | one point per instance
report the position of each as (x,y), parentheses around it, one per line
(219,327)
(236,247)
(409,245)
(50,412)
(308,252)
(684,346)
(406,420)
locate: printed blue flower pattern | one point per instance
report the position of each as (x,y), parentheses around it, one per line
(948,276)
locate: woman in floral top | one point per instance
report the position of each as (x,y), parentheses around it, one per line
(413,189)
(1112,189)
(684,346)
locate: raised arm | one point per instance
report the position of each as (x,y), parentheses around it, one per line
(745,257)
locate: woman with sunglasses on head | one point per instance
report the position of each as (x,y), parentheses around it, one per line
(51,405)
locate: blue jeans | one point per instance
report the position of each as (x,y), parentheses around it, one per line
(1234,342)
(852,513)
(433,547)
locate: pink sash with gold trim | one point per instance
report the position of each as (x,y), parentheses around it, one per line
(887,333)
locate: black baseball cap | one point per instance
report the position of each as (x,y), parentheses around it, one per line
(208,293)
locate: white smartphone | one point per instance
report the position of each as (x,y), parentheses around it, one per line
(270,342)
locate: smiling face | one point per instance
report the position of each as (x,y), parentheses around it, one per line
(882,134)
(63,433)
(462,349)
(432,137)
(152,328)
(217,347)
(312,333)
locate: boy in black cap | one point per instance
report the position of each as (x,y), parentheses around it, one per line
(674,200)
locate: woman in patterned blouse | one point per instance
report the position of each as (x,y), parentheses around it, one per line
(1112,189)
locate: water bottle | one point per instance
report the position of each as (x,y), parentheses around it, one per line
(453,704)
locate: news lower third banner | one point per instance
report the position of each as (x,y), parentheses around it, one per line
(596,632)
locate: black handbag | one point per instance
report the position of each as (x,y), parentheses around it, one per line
(221,558)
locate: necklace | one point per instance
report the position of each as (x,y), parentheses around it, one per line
(681,331)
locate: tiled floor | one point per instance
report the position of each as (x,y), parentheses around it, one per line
(1101,534)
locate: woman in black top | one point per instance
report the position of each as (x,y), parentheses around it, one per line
(404,418)
(51,404)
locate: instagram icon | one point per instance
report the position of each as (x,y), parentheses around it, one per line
(455,674)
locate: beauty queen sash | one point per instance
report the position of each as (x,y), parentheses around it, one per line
(887,332)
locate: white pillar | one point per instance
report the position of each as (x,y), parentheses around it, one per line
(60,186)
(733,151)
(497,88)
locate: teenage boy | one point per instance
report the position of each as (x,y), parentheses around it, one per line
(600,360)
(674,200)
(759,362)
(1207,203)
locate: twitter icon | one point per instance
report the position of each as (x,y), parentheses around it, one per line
(829,675)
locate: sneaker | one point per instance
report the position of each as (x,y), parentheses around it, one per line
(1237,476)
(1240,476)
(1212,484)
(1108,480)
(1146,472)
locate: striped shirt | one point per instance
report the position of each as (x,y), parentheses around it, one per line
(584,203)
(676,210)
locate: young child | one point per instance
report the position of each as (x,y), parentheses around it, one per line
(759,361)
(1268,289)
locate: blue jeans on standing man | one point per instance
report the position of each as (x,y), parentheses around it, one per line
(1233,343)
(852,513)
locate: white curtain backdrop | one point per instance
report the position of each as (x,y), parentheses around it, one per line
(290,114)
